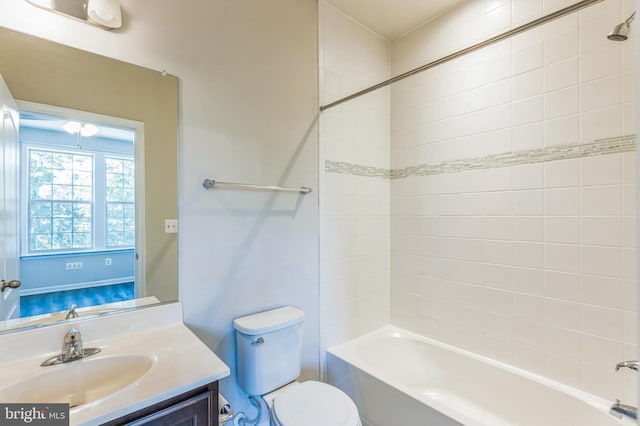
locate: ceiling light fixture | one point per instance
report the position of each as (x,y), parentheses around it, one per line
(84,129)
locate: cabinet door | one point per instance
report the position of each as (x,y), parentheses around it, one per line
(192,412)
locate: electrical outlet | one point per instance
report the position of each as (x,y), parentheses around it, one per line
(171,226)
(107,261)
(73,265)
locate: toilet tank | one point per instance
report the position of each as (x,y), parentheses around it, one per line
(269,349)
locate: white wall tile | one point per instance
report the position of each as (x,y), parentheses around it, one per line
(529,110)
(528,176)
(602,291)
(562,257)
(601,123)
(563,342)
(527,84)
(602,93)
(601,200)
(561,46)
(562,201)
(562,173)
(600,260)
(597,63)
(562,102)
(605,231)
(601,170)
(562,131)
(562,229)
(528,228)
(529,280)
(563,314)
(602,322)
(562,285)
(528,203)
(531,260)
(528,136)
(561,75)
(526,59)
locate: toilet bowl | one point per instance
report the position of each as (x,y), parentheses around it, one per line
(269,358)
(311,403)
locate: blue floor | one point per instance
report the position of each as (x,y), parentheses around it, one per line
(61,300)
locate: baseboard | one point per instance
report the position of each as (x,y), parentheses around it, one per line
(76,286)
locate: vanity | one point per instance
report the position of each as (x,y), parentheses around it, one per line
(150,369)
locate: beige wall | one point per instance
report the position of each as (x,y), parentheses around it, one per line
(40,71)
(248,107)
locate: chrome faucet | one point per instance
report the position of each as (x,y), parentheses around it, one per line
(623,410)
(633,365)
(72,312)
(72,349)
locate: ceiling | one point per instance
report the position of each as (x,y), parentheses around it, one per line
(40,121)
(392,19)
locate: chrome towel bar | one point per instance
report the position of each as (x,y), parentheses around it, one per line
(212,184)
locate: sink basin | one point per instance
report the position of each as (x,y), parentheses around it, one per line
(79,382)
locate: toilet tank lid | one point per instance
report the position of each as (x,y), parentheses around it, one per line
(264,322)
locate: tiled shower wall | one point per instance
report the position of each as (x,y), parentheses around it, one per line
(354,196)
(513,191)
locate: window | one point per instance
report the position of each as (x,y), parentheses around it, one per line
(60,201)
(120,198)
(78,191)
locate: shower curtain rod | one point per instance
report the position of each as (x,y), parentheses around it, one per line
(522,28)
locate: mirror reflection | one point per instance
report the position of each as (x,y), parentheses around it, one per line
(92,131)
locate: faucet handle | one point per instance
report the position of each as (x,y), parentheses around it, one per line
(633,365)
(72,312)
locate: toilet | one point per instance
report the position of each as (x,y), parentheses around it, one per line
(269,351)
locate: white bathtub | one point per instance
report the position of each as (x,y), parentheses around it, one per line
(398,378)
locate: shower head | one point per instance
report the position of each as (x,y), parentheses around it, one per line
(621,31)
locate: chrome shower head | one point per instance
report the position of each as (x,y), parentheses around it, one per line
(621,31)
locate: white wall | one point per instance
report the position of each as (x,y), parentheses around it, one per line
(354,199)
(531,263)
(248,104)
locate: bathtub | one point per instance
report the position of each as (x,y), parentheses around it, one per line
(398,378)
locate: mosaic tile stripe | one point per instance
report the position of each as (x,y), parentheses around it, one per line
(356,169)
(533,156)
(559,152)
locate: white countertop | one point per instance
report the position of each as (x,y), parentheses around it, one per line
(180,361)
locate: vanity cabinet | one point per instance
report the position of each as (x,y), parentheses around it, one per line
(198,407)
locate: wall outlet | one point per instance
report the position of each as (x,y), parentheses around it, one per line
(107,261)
(73,265)
(171,226)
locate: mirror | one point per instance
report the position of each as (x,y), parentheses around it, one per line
(42,72)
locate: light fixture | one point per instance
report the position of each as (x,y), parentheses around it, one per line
(104,12)
(84,129)
(101,13)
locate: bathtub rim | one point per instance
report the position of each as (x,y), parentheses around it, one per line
(345,351)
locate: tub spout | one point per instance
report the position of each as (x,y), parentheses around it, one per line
(622,410)
(633,365)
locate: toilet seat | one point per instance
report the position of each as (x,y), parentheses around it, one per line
(313,403)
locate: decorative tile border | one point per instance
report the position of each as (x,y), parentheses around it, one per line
(533,156)
(356,169)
